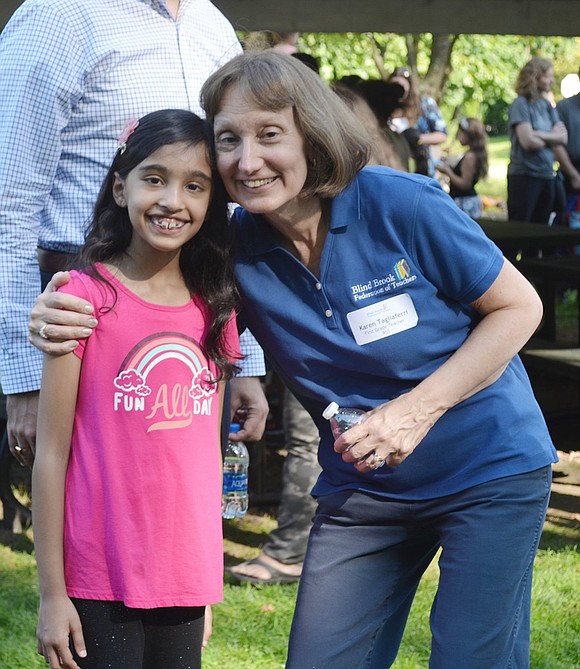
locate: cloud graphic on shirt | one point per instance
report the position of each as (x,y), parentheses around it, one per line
(203,384)
(129,379)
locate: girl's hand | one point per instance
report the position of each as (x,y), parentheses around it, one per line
(57,620)
(58,320)
(389,434)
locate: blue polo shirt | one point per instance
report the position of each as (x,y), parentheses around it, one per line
(400,265)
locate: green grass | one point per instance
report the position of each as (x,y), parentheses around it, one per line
(498,149)
(251,627)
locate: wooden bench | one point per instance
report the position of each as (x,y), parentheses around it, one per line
(555,374)
(556,361)
(512,236)
(549,274)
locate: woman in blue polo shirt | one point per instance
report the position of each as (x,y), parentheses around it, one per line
(369,287)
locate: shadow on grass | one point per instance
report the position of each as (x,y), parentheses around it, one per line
(19,543)
(243,535)
(561,534)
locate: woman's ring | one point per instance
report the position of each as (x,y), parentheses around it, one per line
(378,460)
(42,332)
(18,449)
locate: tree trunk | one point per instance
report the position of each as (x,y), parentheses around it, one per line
(435,81)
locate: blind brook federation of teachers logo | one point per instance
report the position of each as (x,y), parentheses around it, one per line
(165,376)
(392,315)
(399,276)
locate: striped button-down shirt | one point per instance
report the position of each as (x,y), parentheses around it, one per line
(71,73)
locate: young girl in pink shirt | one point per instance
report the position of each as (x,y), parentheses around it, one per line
(127,475)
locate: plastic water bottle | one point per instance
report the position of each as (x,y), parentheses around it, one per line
(235,478)
(341,418)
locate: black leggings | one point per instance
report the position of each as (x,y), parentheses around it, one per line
(118,637)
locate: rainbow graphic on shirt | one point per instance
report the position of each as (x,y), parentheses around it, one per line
(156,350)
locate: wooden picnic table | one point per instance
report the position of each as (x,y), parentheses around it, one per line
(559,361)
(556,371)
(551,272)
(512,236)
(550,275)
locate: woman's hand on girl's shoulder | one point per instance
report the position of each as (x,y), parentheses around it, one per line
(58,320)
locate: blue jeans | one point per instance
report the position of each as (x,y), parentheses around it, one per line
(367,554)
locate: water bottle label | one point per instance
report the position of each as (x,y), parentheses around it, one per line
(235,482)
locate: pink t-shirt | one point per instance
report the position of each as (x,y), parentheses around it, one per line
(143,487)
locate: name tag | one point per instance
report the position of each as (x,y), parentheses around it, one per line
(383,319)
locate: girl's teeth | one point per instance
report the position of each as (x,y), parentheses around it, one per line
(169,225)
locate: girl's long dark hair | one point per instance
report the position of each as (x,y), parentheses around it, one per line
(205,260)
(477,142)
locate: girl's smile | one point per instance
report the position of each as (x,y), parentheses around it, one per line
(168,224)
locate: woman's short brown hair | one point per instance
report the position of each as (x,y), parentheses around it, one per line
(337,145)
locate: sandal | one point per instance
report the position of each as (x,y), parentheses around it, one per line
(276,576)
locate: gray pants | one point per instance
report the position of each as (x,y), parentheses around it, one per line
(287,543)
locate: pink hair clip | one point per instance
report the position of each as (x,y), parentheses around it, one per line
(128,129)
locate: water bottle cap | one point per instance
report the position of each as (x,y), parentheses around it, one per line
(330,410)
(235,427)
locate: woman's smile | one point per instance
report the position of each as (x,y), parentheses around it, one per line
(258,183)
